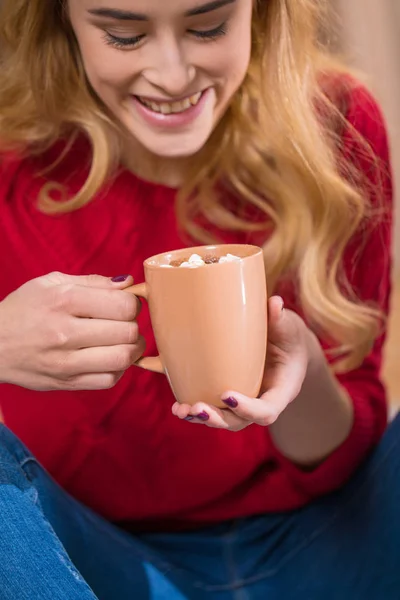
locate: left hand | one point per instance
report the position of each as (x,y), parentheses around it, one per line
(291,347)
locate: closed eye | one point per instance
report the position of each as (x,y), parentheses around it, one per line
(210,34)
(122,42)
(133,41)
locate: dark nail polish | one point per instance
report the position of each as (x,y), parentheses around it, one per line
(231,402)
(203,416)
(189,418)
(119,278)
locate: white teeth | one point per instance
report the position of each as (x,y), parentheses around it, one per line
(194,99)
(166,108)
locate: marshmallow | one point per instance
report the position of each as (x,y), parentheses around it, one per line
(196,261)
(229,258)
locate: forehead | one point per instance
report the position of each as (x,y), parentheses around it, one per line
(150,7)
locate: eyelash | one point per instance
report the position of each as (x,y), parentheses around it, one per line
(205,36)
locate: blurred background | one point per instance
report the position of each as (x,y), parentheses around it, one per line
(367,32)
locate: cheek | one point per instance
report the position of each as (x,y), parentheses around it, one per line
(228,60)
(239,60)
(234,62)
(105,68)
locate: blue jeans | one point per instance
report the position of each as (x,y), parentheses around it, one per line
(345,546)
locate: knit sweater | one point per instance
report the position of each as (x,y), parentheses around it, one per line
(121,451)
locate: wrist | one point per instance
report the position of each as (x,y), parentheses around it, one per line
(3,351)
(319,376)
(320,418)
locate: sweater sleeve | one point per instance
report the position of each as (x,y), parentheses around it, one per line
(368,265)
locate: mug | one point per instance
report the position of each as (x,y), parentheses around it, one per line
(209,322)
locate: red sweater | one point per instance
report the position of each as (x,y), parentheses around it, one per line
(121,451)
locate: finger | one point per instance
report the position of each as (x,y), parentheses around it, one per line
(275,308)
(110,359)
(94,281)
(88,333)
(95,303)
(284,326)
(209,415)
(276,317)
(94,381)
(263,411)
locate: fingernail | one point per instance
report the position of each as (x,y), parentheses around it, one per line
(119,278)
(231,402)
(189,418)
(203,416)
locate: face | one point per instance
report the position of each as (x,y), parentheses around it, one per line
(166,69)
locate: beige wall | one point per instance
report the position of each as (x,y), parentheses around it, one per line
(371,37)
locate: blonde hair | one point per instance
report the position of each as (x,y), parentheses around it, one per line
(276,149)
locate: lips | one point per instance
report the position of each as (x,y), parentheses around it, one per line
(168,108)
(172,115)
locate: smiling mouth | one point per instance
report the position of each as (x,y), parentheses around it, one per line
(168,108)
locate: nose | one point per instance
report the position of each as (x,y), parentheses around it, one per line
(169,68)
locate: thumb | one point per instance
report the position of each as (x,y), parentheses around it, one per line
(284,326)
(277,326)
(119,282)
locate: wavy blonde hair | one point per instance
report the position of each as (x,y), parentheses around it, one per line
(276,149)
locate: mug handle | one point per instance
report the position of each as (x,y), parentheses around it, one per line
(149,363)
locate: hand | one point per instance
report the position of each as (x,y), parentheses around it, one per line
(60,332)
(291,346)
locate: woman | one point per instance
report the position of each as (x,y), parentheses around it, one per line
(132,127)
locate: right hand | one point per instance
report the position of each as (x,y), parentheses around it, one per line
(61,332)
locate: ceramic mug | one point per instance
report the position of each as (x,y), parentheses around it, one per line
(209,322)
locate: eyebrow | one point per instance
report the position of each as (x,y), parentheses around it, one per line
(209,7)
(127,15)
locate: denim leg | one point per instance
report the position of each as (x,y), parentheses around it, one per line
(33,562)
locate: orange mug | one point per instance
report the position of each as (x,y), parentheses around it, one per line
(209,322)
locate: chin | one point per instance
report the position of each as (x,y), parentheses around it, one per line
(174,146)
